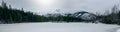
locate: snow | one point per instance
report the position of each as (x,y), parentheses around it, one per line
(118,30)
(88,16)
(58,27)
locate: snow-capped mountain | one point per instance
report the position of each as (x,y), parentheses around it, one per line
(84,15)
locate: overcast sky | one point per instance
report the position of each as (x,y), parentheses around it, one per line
(65,6)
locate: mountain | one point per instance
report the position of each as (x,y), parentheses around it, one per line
(84,15)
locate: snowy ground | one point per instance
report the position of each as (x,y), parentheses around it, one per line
(58,27)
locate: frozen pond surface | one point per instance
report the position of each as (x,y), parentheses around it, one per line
(58,27)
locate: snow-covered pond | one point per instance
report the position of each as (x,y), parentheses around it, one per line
(58,27)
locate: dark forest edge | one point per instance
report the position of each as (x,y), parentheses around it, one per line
(9,15)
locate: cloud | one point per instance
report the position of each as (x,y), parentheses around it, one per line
(66,6)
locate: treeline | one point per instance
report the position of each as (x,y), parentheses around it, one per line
(18,16)
(15,16)
(112,18)
(10,15)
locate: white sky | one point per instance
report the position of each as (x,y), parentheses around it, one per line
(65,6)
